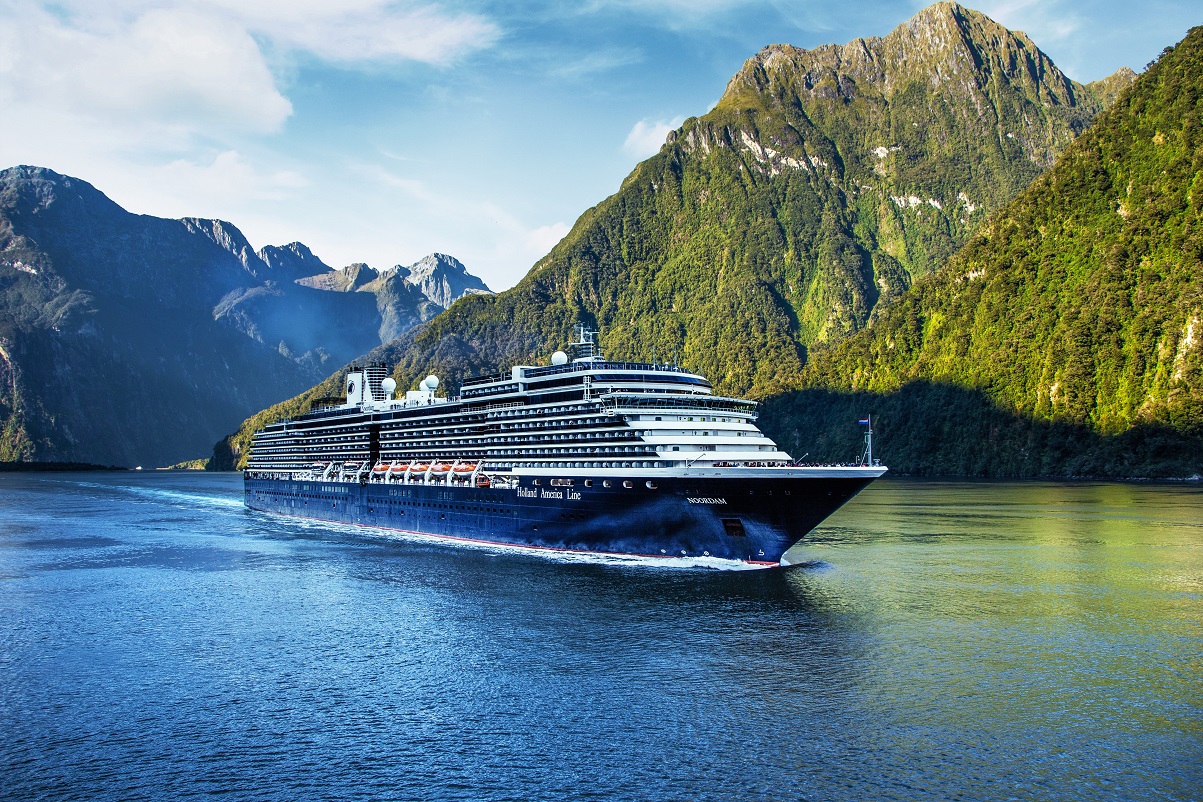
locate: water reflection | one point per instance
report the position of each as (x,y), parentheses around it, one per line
(979,640)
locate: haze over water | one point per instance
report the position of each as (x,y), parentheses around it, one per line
(940,640)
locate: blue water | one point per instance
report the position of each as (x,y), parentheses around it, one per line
(939,641)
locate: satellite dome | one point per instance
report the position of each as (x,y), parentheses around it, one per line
(388,385)
(559,358)
(431,382)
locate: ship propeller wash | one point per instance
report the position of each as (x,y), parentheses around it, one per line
(582,455)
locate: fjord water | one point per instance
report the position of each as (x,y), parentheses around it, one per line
(938,640)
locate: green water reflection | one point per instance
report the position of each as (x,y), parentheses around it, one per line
(1060,614)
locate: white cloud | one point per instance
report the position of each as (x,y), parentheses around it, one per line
(378,31)
(228,175)
(170,67)
(148,75)
(646,137)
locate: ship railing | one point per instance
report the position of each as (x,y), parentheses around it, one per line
(617,402)
(599,364)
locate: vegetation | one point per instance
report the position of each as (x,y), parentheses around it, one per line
(822,185)
(817,188)
(230,453)
(1079,305)
(200,464)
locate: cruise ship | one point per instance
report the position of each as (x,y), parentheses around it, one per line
(581,455)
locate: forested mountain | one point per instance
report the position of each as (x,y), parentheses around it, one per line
(1070,323)
(818,188)
(129,339)
(820,184)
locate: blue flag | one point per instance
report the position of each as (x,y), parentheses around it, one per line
(863,421)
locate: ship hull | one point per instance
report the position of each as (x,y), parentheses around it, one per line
(748,519)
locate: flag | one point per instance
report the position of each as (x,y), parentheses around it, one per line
(863,421)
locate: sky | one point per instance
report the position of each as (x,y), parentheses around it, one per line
(378,131)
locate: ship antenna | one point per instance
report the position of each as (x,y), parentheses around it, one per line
(867,457)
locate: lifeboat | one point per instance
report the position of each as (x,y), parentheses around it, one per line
(483,481)
(420,467)
(398,467)
(380,468)
(465,467)
(439,469)
(351,466)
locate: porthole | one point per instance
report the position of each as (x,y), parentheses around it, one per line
(605,483)
(588,483)
(651,485)
(627,483)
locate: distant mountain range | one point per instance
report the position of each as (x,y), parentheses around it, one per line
(129,339)
(793,215)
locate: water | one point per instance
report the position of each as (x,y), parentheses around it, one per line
(939,641)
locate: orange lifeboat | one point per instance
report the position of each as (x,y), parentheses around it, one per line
(380,468)
(398,467)
(439,469)
(465,467)
(420,467)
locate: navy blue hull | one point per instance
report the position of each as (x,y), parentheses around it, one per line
(751,520)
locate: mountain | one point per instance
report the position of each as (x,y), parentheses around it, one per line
(822,183)
(443,279)
(129,339)
(1064,338)
(818,187)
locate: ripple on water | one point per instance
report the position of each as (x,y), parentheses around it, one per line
(932,641)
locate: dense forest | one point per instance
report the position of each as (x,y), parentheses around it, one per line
(1075,314)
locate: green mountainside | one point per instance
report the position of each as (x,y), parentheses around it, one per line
(1066,334)
(818,188)
(820,184)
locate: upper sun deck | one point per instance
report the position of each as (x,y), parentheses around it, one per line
(596,371)
(530,372)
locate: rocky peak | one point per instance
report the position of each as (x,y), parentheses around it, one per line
(442,278)
(292,261)
(944,45)
(30,190)
(1109,88)
(357,275)
(227,237)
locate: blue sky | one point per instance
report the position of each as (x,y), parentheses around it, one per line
(381,131)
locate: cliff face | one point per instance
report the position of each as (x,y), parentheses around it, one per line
(128,339)
(821,185)
(443,279)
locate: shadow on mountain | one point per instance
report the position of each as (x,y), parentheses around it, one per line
(930,429)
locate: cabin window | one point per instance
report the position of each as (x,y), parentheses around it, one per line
(605,483)
(588,483)
(651,485)
(627,483)
(538,482)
